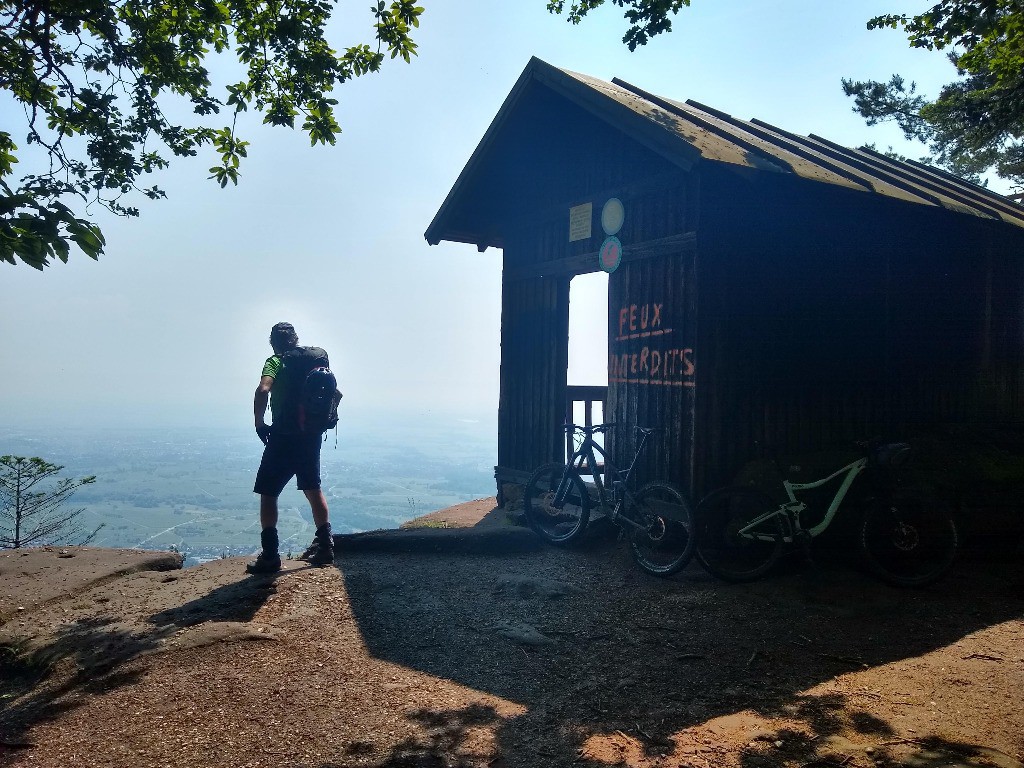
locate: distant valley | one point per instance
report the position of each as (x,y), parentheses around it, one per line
(192,491)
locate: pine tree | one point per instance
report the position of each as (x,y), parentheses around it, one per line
(32,499)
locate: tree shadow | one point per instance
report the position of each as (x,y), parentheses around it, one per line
(94,655)
(444,740)
(625,653)
(84,658)
(811,746)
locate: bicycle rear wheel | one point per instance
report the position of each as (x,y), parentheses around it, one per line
(558,522)
(907,541)
(738,537)
(664,544)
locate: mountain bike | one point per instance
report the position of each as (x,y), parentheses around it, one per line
(657,518)
(903,537)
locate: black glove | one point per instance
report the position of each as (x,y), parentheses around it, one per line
(263,432)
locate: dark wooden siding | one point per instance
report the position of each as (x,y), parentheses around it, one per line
(534,354)
(829,316)
(552,155)
(578,161)
(651,337)
(814,314)
(652,364)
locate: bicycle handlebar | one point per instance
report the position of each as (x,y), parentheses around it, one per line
(570,427)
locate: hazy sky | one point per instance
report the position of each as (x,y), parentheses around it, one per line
(171,324)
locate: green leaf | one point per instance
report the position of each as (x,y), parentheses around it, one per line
(109,73)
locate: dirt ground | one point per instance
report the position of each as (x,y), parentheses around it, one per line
(467,642)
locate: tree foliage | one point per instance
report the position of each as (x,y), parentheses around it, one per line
(31,504)
(100,83)
(977,121)
(646,18)
(100,80)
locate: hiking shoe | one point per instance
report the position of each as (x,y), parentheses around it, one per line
(264,564)
(318,553)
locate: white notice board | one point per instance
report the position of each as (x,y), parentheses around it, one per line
(580,218)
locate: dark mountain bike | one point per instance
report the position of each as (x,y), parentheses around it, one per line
(903,537)
(657,518)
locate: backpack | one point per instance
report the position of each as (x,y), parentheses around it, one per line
(318,402)
(308,391)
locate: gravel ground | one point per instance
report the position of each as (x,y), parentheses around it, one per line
(467,642)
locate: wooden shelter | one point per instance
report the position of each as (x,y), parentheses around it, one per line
(764,287)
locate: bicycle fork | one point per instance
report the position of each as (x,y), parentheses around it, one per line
(571,470)
(562,491)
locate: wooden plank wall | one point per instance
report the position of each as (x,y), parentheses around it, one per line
(557,156)
(534,357)
(652,362)
(652,358)
(836,317)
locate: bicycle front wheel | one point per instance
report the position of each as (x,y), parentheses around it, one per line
(559,520)
(908,541)
(739,536)
(664,543)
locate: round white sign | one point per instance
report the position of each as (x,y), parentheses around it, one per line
(612,216)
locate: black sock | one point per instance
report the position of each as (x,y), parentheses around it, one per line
(268,538)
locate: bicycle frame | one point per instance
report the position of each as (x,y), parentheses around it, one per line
(587,453)
(790,510)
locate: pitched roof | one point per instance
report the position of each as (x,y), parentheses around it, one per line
(685,133)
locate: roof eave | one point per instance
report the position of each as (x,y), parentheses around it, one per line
(639,128)
(435,232)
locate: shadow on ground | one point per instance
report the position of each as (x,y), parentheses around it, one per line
(619,661)
(88,655)
(610,665)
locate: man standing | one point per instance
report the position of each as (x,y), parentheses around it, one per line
(289,452)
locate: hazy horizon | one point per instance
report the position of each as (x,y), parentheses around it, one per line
(191,487)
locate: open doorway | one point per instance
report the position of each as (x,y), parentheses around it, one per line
(587,374)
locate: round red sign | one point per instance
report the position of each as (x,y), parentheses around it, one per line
(610,255)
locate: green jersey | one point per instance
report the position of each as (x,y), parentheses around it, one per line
(271,368)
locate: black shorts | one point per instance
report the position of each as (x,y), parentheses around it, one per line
(288,456)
